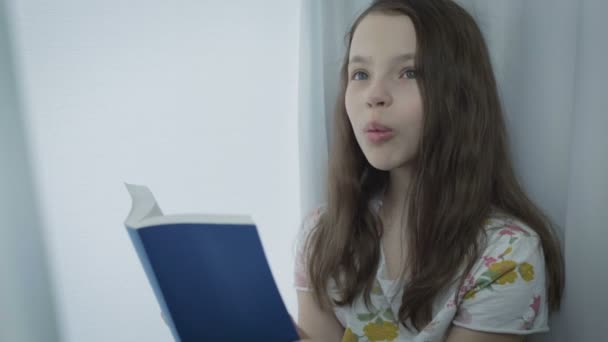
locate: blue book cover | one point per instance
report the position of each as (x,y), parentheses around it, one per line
(209,274)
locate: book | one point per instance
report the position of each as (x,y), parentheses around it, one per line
(209,274)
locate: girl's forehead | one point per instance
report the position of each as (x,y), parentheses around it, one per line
(382,36)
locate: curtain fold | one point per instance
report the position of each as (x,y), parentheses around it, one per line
(322,46)
(27,308)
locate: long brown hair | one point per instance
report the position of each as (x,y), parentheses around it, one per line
(463,172)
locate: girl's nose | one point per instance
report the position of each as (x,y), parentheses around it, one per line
(379,100)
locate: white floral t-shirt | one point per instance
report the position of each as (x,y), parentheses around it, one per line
(504,292)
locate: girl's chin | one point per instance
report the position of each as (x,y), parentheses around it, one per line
(383,165)
(387,164)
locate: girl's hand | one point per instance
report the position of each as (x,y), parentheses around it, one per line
(303,335)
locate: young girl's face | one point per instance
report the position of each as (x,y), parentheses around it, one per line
(382,98)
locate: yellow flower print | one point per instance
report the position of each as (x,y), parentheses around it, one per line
(526,271)
(381,331)
(509,250)
(349,336)
(505,271)
(470,294)
(507,278)
(503,266)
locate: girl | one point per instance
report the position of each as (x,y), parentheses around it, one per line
(426,234)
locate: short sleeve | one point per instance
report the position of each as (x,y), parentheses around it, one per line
(301,279)
(506,291)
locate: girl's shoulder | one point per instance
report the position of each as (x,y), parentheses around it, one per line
(507,237)
(500,227)
(308,223)
(505,291)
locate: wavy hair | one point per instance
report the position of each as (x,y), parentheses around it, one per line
(463,172)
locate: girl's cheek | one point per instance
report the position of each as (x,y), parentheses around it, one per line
(351,96)
(356,92)
(411,96)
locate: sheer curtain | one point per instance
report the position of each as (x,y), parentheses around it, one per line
(322,46)
(549,58)
(27,311)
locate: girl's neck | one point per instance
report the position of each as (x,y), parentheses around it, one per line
(395,198)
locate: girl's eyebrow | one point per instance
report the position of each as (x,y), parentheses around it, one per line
(366,60)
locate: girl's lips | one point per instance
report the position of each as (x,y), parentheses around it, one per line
(376,126)
(377,137)
(378,133)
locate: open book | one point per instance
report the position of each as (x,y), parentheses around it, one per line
(209,274)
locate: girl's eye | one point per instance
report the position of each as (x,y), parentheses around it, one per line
(409,73)
(359,76)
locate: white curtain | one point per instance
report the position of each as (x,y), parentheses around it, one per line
(550,62)
(27,312)
(322,47)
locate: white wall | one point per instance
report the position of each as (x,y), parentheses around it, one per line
(197,99)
